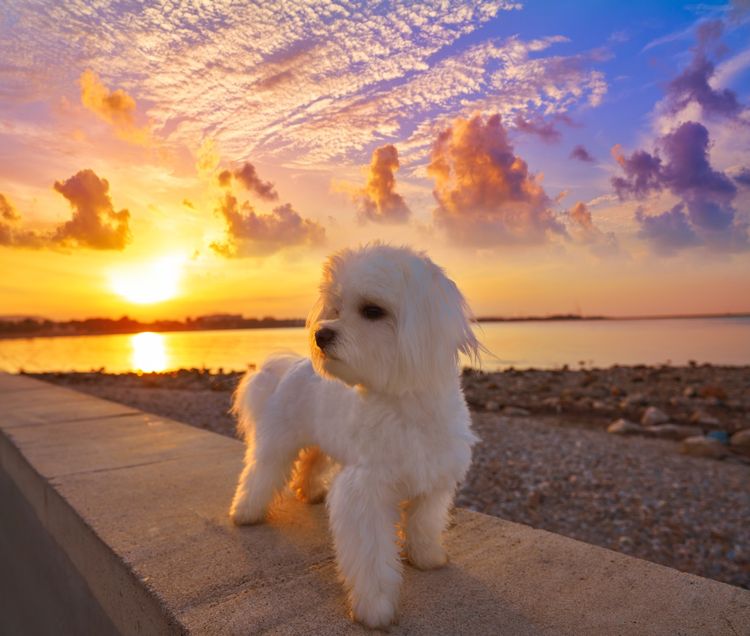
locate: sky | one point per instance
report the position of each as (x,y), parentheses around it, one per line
(171,159)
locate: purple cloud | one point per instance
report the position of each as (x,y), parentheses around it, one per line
(707,194)
(667,232)
(693,83)
(642,174)
(545,130)
(580,153)
(743,177)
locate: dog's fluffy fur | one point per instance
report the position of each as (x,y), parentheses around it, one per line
(379,407)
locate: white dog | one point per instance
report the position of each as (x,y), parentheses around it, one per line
(382,398)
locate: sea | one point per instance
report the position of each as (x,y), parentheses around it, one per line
(522,345)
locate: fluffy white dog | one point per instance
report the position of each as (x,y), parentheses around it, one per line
(381,398)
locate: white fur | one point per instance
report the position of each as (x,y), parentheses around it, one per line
(384,402)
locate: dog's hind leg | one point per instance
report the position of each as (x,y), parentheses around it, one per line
(311,475)
(266,472)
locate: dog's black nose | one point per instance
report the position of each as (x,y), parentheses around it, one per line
(324,336)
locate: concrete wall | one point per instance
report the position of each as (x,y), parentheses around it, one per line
(115,521)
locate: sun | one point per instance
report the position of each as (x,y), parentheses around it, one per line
(148,283)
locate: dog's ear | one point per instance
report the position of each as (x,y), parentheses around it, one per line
(456,318)
(435,325)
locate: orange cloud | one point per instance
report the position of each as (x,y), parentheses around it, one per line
(583,230)
(11,236)
(7,211)
(95,223)
(253,234)
(378,201)
(115,107)
(248,177)
(485,193)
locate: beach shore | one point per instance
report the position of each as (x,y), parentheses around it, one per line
(547,460)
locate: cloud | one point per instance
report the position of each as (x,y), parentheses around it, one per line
(248,177)
(7,211)
(378,201)
(692,85)
(669,231)
(707,194)
(485,193)
(12,236)
(642,173)
(95,223)
(584,231)
(545,130)
(580,153)
(253,234)
(302,85)
(743,177)
(115,107)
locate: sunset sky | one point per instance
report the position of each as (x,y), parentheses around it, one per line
(170,159)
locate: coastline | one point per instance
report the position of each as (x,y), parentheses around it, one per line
(294,323)
(546,458)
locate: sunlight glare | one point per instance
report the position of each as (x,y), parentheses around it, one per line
(149,352)
(150,282)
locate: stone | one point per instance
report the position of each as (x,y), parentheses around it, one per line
(515,411)
(653,416)
(740,441)
(690,392)
(673,431)
(700,446)
(713,391)
(719,436)
(624,427)
(701,418)
(633,401)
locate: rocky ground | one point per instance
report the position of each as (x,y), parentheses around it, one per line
(546,460)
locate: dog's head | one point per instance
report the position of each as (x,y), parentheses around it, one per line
(390,320)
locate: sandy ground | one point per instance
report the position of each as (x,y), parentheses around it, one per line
(546,460)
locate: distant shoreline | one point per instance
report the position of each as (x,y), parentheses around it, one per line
(115,328)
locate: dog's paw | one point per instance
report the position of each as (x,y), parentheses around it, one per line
(427,557)
(309,493)
(243,514)
(378,612)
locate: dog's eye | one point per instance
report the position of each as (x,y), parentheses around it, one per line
(372,312)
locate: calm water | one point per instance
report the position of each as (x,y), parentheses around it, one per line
(531,344)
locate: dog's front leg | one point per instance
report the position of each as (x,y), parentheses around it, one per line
(364,514)
(426,518)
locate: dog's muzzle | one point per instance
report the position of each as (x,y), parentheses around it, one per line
(324,337)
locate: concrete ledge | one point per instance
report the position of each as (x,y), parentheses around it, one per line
(135,509)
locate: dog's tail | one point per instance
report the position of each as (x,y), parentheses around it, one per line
(255,388)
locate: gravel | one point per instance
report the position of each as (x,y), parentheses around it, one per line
(546,460)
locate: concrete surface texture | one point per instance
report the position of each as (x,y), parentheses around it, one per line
(138,505)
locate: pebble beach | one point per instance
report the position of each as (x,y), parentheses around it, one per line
(652,461)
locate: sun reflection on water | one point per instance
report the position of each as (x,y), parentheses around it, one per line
(149,353)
